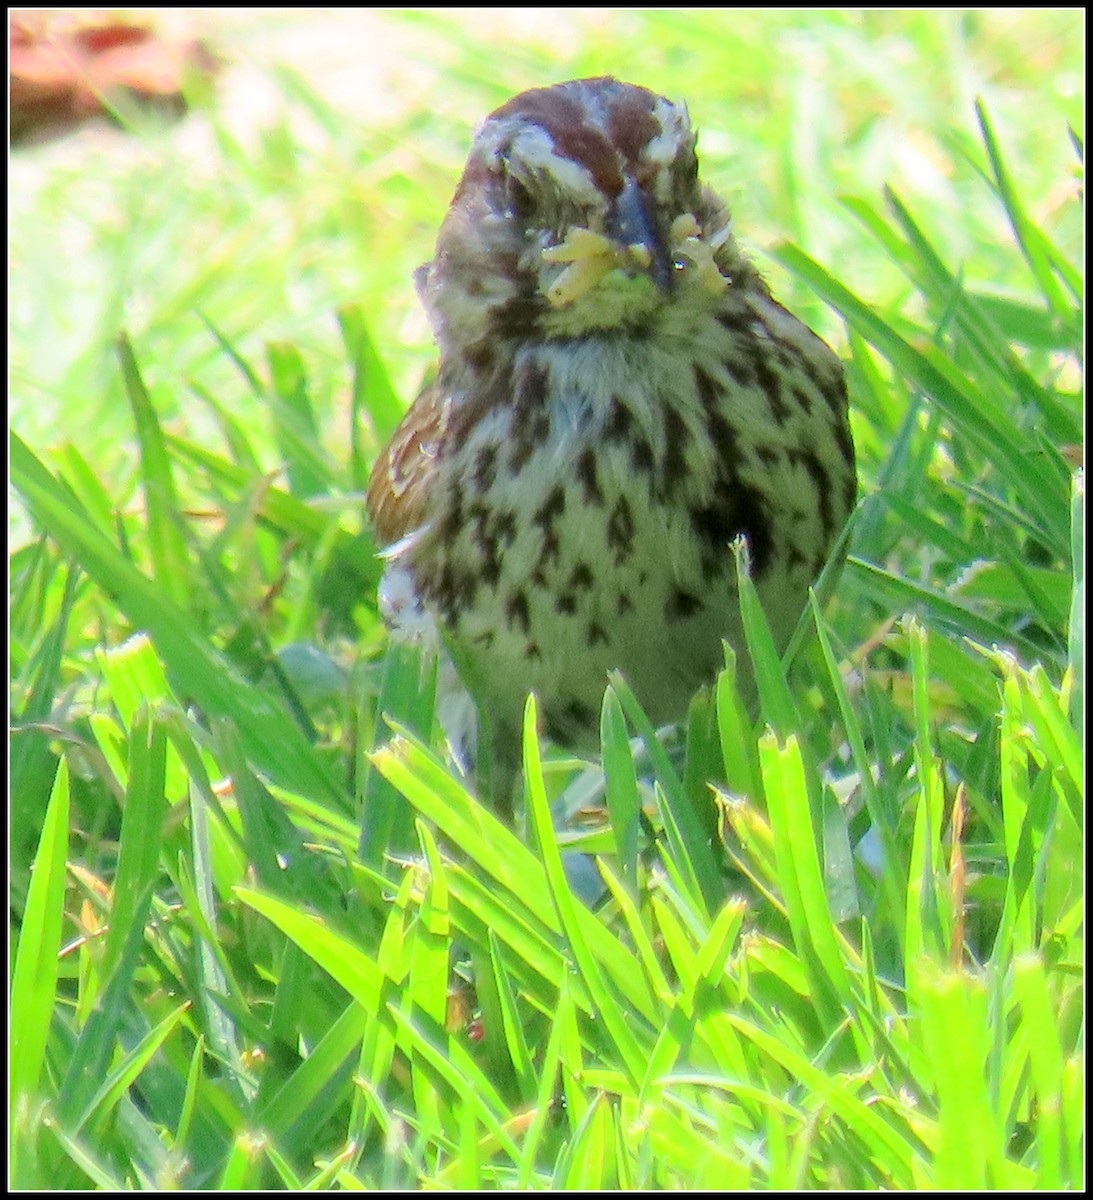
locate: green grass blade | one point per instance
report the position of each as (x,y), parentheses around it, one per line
(689,832)
(372,390)
(349,966)
(141,836)
(969,1153)
(34,976)
(606,1005)
(973,412)
(171,560)
(1026,233)
(623,799)
(294,424)
(1076,623)
(799,868)
(269,737)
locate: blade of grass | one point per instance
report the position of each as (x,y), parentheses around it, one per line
(623,799)
(688,838)
(34,977)
(372,390)
(171,561)
(1028,236)
(976,415)
(295,428)
(270,739)
(800,873)
(606,1004)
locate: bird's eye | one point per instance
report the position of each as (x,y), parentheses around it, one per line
(518,198)
(521,202)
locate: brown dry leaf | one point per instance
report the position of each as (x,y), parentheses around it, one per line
(63,64)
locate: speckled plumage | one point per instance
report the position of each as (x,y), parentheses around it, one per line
(619,397)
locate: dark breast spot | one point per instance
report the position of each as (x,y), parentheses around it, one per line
(530,420)
(489,561)
(735,508)
(485,468)
(519,315)
(545,516)
(505,526)
(641,455)
(516,611)
(676,437)
(549,550)
(551,508)
(451,524)
(480,355)
(620,530)
(708,391)
(803,396)
(740,370)
(821,482)
(619,420)
(575,717)
(771,383)
(723,437)
(681,604)
(452,589)
(580,576)
(597,635)
(489,530)
(588,477)
(738,322)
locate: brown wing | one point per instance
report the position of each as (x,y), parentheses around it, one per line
(399,484)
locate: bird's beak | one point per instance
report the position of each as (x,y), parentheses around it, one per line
(630,223)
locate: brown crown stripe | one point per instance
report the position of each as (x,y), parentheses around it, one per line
(563,119)
(609,122)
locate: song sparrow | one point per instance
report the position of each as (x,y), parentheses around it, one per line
(619,397)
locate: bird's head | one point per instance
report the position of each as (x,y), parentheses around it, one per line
(580,210)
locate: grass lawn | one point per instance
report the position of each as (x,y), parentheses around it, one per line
(263,935)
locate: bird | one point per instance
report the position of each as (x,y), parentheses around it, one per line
(619,397)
